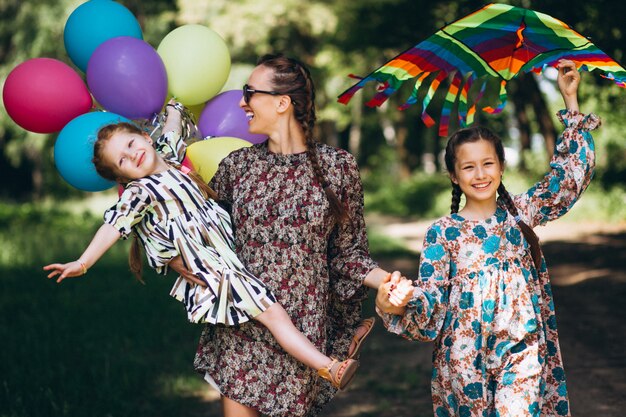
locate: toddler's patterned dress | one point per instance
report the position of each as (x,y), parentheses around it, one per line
(489,311)
(171,217)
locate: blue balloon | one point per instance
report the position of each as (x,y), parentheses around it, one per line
(73,150)
(93,23)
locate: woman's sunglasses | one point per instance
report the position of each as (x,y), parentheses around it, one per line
(248,92)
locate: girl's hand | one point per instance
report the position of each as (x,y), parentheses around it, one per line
(402,293)
(568,81)
(177,265)
(70,269)
(383,298)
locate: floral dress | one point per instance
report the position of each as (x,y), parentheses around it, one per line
(286,236)
(171,217)
(489,311)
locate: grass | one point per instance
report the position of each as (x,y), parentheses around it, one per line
(102,345)
(99,345)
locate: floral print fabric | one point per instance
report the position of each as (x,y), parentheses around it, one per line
(489,311)
(286,236)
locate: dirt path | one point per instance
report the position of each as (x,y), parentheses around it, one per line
(588,269)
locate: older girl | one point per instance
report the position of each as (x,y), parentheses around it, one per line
(483,293)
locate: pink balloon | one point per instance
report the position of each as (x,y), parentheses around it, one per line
(43,94)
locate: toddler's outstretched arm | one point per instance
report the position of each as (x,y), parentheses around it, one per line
(104,238)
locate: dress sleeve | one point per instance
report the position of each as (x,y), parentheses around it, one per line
(348,252)
(571,170)
(426,312)
(223,180)
(129,210)
(171,146)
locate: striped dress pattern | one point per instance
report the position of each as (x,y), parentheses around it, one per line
(171,217)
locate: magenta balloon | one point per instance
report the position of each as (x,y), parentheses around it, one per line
(43,94)
(222,116)
(127,76)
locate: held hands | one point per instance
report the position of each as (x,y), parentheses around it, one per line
(70,269)
(394,293)
(568,81)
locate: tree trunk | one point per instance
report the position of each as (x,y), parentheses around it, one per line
(356,127)
(520,99)
(546,125)
(395,135)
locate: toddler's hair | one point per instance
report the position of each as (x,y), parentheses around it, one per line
(109,171)
(474,134)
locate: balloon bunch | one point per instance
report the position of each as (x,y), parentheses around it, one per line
(126,79)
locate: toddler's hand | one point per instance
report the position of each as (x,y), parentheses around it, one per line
(401,294)
(70,269)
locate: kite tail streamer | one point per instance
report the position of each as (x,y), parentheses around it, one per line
(463,100)
(451,96)
(472,111)
(413,98)
(500,106)
(429,121)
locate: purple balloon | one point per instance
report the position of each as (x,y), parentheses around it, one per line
(222,116)
(127,76)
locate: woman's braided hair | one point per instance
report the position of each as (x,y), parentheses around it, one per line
(475,134)
(108,170)
(292,78)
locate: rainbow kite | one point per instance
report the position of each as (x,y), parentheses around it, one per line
(498,41)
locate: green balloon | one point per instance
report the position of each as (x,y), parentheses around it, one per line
(197,62)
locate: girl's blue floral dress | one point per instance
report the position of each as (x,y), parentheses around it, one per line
(489,311)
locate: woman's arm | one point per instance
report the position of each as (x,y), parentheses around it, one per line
(104,238)
(349,261)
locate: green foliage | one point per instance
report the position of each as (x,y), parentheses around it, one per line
(35,234)
(382,246)
(101,345)
(422,195)
(98,345)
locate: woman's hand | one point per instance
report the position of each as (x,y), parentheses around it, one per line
(388,283)
(177,265)
(568,81)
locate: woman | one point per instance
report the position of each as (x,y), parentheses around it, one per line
(297,210)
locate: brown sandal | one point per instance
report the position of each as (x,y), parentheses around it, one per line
(339,374)
(368,324)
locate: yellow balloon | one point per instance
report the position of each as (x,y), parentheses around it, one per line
(206,155)
(197,62)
